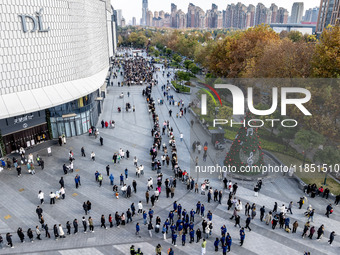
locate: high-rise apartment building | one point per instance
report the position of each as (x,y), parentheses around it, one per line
(274,9)
(236,16)
(262,14)
(282,16)
(191,15)
(149,17)
(297,12)
(162,14)
(144,12)
(329,14)
(181,21)
(173,15)
(119,17)
(311,15)
(250,17)
(134,21)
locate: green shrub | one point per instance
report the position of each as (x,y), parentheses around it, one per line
(180,88)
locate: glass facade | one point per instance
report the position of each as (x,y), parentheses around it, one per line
(76,117)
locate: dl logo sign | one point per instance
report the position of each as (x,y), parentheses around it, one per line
(37,22)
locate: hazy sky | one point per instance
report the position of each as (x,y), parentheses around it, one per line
(133,8)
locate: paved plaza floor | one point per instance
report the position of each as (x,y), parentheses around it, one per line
(18,196)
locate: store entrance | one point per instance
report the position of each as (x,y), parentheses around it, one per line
(26,138)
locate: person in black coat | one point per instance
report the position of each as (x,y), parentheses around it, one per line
(9,240)
(198,235)
(248,222)
(30,234)
(75,225)
(47,234)
(21,235)
(55,231)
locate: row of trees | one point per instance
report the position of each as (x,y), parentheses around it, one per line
(260,52)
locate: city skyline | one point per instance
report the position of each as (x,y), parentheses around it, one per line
(165,5)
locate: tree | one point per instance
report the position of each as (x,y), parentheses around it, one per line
(308,139)
(194,68)
(327,157)
(177,58)
(245,149)
(326,59)
(168,52)
(187,63)
(283,59)
(156,53)
(295,36)
(232,56)
(287,134)
(224,112)
(183,76)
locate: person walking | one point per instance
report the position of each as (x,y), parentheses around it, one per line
(295,226)
(262,211)
(9,240)
(101,141)
(102,221)
(311,232)
(228,241)
(137,229)
(83,152)
(77,180)
(248,220)
(91,226)
(39,211)
(321,231)
(21,235)
(68,227)
(84,222)
(75,226)
(100,179)
(158,249)
(331,238)
(329,210)
(61,231)
(47,233)
(89,206)
(85,208)
(93,156)
(55,231)
(134,185)
(198,235)
(242,236)
(174,238)
(29,234)
(290,206)
(203,247)
(111,179)
(108,170)
(41,196)
(183,239)
(150,228)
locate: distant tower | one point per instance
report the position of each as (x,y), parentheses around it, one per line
(144,12)
(297,12)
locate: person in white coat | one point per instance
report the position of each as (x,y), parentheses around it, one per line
(140,207)
(41,196)
(61,231)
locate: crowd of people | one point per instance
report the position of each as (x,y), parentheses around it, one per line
(181,225)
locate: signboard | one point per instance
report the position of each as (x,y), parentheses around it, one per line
(21,122)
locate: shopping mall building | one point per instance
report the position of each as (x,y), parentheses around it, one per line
(54,67)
